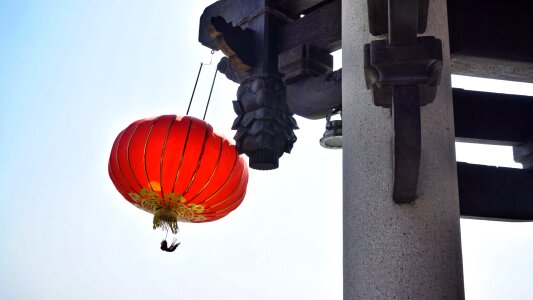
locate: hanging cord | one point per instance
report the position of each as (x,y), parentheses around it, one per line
(196,84)
(210,93)
(194,89)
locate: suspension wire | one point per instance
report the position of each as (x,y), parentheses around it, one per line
(196,83)
(194,89)
(210,93)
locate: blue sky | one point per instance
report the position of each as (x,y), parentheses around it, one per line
(73,74)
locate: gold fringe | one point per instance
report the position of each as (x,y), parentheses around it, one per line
(166,219)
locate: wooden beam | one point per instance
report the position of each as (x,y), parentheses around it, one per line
(233,11)
(524,154)
(492,28)
(315,97)
(494,118)
(491,38)
(297,7)
(320,28)
(495,193)
(479,66)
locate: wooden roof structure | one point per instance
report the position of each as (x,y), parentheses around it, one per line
(488,38)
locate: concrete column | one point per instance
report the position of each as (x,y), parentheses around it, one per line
(410,251)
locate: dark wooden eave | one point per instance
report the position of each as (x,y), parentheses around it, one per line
(492,38)
(321,28)
(488,38)
(300,6)
(495,193)
(236,12)
(492,118)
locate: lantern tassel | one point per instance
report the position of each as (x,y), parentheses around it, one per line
(166,219)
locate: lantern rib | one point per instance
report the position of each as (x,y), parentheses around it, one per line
(220,214)
(128,155)
(163,155)
(199,159)
(183,153)
(111,173)
(232,193)
(214,169)
(119,185)
(235,204)
(225,183)
(144,152)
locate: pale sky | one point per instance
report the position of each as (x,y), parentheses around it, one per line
(73,74)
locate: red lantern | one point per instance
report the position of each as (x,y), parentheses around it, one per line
(178,169)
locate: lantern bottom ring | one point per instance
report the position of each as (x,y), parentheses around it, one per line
(166,219)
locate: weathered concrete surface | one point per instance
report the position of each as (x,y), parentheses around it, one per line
(390,251)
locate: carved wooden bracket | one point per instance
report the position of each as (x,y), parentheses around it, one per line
(304,61)
(232,72)
(234,42)
(281,61)
(247,33)
(264,124)
(313,90)
(403,72)
(315,97)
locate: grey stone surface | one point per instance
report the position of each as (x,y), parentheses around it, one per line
(391,251)
(493,68)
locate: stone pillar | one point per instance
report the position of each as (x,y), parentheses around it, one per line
(410,251)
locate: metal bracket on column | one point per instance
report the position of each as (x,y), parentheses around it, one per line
(403,73)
